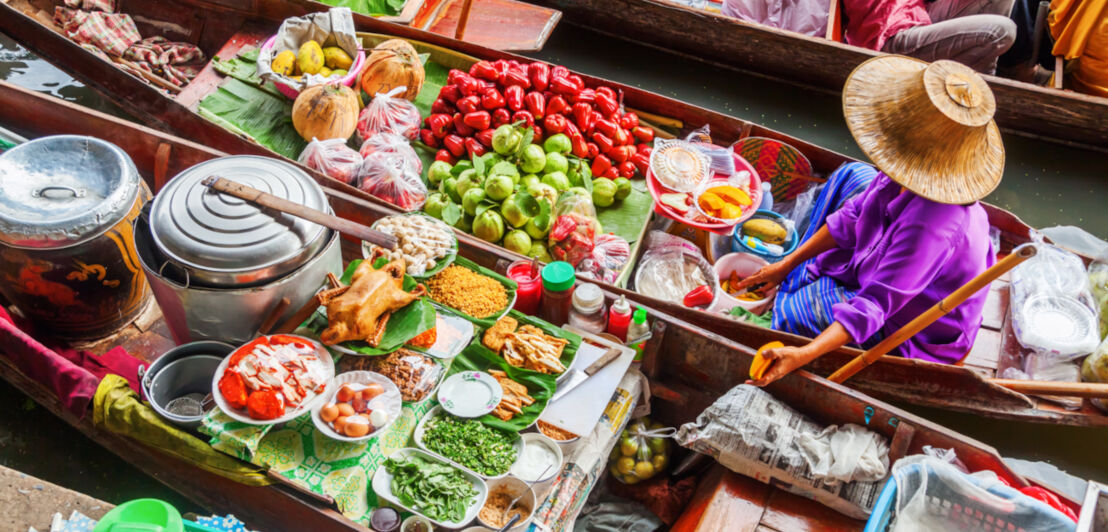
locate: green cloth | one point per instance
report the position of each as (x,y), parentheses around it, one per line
(763,320)
(117,408)
(301,453)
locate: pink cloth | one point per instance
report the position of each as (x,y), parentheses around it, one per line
(869,23)
(72,375)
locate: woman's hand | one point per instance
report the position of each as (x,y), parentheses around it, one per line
(782,361)
(769,276)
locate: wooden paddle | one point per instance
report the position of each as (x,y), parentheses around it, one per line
(921,322)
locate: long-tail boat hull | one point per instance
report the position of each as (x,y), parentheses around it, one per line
(227,30)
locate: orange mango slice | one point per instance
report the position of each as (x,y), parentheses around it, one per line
(732,194)
(759,366)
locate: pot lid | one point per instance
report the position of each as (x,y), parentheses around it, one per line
(206,231)
(62,190)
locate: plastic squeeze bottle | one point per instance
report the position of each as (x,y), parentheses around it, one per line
(619,319)
(638,333)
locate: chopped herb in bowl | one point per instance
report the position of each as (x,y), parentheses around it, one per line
(472,444)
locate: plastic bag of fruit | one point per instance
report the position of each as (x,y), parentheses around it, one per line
(642,452)
(333,158)
(388,114)
(573,233)
(391,177)
(392,143)
(609,255)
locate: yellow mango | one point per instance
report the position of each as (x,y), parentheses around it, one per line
(336,58)
(710,202)
(326,72)
(759,366)
(310,58)
(284,63)
(732,194)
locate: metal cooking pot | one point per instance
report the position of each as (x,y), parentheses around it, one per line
(180,372)
(217,240)
(67,257)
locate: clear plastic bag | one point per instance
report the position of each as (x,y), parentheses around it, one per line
(333,158)
(671,268)
(1052,305)
(1095,369)
(392,143)
(799,210)
(642,452)
(722,159)
(416,374)
(575,228)
(609,255)
(1098,280)
(390,176)
(386,114)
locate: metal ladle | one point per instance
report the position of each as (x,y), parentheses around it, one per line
(512,504)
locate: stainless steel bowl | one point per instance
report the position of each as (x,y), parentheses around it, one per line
(182,371)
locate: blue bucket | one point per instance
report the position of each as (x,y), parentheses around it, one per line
(740,245)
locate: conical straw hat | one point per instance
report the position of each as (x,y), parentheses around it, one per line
(927,126)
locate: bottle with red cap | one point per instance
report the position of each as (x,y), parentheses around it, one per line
(619,319)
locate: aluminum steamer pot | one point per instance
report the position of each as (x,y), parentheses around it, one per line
(226,263)
(67,255)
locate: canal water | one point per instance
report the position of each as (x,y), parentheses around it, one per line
(1046,184)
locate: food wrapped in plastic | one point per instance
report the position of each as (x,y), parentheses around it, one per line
(423,242)
(1098,278)
(416,374)
(722,159)
(1052,306)
(1095,369)
(573,233)
(671,268)
(610,253)
(392,143)
(391,177)
(333,158)
(643,451)
(678,165)
(388,114)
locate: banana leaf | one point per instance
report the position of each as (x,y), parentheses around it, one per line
(404,324)
(626,218)
(262,116)
(370,7)
(509,285)
(540,386)
(569,352)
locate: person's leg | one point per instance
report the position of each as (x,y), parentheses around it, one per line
(806,310)
(975,41)
(941,10)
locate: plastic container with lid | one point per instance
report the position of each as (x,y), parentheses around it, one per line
(588,313)
(619,319)
(557,292)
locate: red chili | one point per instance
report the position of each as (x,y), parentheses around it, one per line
(450,93)
(556,105)
(517,78)
(526,116)
(454,144)
(460,126)
(484,70)
(478,120)
(642,134)
(500,117)
(536,104)
(484,137)
(580,147)
(445,156)
(629,121)
(474,148)
(469,104)
(699,296)
(626,169)
(554,124)
(442,106)
(540,75)
(514,96)
(606,127)
(492,99)
(600,165)
(564,87)
(604,143)
(583,115)
(607,104)
(594,150)
(428,138)
(585,96)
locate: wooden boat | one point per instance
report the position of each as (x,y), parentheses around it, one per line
(917,382)
(681,390)
(1023,108)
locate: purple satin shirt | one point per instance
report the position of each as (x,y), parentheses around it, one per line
(903,253)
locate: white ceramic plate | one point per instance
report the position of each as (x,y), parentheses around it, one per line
(421,428)
(470,394)
(389,401)
(306,405)
(382,485)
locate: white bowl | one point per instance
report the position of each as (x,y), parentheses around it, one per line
(513,486)
(532,439)
(745,265)
(382,486)
(305,406)
(390,400)
(417,437)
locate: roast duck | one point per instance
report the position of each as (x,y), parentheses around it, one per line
(361,311)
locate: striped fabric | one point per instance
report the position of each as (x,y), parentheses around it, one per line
(803,302)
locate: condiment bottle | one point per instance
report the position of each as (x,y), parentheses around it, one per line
(557,292)
(638,332)
(526,274)
(587,313)
(619,318)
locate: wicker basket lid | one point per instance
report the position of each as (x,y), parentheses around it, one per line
(929,127)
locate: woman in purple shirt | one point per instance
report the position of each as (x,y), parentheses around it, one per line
(913,236)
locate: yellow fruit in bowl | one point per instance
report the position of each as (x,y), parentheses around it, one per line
(325,72)
(310,58)
(335,57)
(284,63)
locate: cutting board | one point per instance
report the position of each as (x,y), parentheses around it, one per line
(580,409)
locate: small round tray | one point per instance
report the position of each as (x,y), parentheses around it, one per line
(240,415)
(470,394)
(390,400)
